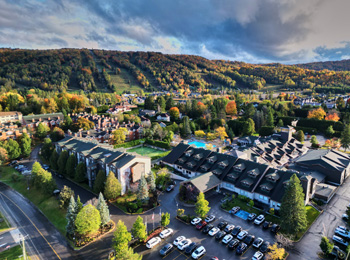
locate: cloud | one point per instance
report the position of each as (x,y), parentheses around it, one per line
(287,31)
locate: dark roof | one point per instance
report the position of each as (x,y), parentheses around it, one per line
(175,154)
(204,182)
(124,159)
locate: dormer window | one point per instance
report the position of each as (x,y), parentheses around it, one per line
(198,156)
(191,164)
(254,173)
(273,177)
(239,167)
(266,187)
(217,171)
(189,153)
(182,160)
(247,182)
(223,164)
(232,176)
(205,167)
(212,159)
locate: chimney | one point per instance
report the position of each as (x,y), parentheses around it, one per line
(49,118)
(87,132)
(33,120)
(40,119)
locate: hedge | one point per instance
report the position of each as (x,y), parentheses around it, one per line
(308,130)
(266,130)
(129,144)
(320,125)
(160,155)
(160,144)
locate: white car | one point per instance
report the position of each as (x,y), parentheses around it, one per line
(209,218)
(200,251)
(165,233)
(213,231)
(258,256)
(260,219)
(178,240)
(183,244)
(227,239)
(258,242)
(342,233)
(339,240)
(195,221)
(153,242)
(242,234)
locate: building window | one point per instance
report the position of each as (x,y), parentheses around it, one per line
(261,196)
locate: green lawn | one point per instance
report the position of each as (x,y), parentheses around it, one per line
(14,253)
(4,224)
(47,204)
(311,215)
(125,82)
(148,151)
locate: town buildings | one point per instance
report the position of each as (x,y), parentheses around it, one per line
(11,116)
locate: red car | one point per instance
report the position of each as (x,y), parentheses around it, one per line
(201,225)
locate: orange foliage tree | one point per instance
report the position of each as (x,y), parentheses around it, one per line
(231,108)
(332,117)
(317,113)
(174,112)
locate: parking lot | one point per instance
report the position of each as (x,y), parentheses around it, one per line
(212,246)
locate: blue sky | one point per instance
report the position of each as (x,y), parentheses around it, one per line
(258,31)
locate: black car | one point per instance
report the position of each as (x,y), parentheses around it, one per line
(251,216)
(264,247)
(241,249)
(170,188)
(165,249)
(233,244)
(207,228)
(191,248)
(222,224)
(220,235)
(249,240)
(275,228)
(266,225)
(236,231)
(229,228)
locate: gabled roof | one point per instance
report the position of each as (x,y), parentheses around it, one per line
(176,153)
(204,182)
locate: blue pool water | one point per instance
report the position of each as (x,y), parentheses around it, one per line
(242,214)
(198,144)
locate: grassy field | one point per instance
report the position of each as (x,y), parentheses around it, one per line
(147,151)
(14,253)
(47,204)
(125,82)
(4,224)
(311,215)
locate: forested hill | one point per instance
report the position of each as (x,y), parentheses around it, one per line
(116,71)
(340,65)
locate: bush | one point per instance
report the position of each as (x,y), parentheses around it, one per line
(251,203)
(64,197)
(272,211)
(266,130)
(160,144)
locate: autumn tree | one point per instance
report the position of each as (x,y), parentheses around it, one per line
(57,134)
(119,135)
(332,117)
(231,108)
(221,132)
(3,155)
(317,113)
(112,187)
(174,112)
(275,253)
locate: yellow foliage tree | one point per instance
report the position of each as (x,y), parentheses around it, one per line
(211,136)
(317,113)
(199,133)
(276,253)
(221,132)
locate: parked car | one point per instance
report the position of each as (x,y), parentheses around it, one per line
(195,221)
(337,252)
(265,247)
(56,192)
(213,231)
(236,231)
(251,216)
(191,248)
(241,249)
(249,239)
(178,240)
(343,228)
(222,224)
(234,210)
(220,235)
(227,239)
(340,240)
(275,228)
(207,228)
(45,167)
(258,256)
(242,234)
(153,242)
(184,243)
(201,225)
(233,244)
(345,217)
(258,242)
(165,233)
(170,188)
(209,218)
(229,228)
(342,233)
(266,225)
(13,162)
(259,220)
(199,252)
(166,249)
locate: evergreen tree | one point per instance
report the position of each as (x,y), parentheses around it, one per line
(99,182)
(249,127)
(102,207)
(149,102)
(112,187)
(326,246)
(280,123)
(70,166)
(269,118)
(169,103)
(70,217)
(88,221)
(57,134)
(161,104)
(202,205)
(165,219)
(121,239)
(186,128)
(80,173)
(79,205)
(25,144)
(345,137)
(313,141)
(151,182)
(36,168)
(62,160)
(300,136)
(47,149)
(293,213)
(53,160)
(139,229)
(142,191)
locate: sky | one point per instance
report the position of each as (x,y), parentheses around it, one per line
(255,31)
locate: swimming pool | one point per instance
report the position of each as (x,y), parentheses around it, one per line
(199,144)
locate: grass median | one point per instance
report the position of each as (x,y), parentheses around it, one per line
(14,253)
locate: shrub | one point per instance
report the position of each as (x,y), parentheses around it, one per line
(272,211)
(266,130)
(64,197)
(251,203)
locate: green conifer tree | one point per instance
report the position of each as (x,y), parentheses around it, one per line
(102,207)
(70,217)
